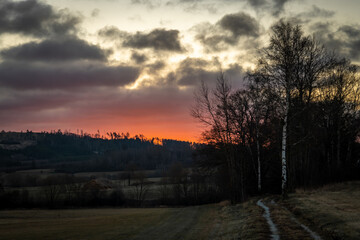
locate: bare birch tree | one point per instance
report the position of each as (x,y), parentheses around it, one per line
(291,65)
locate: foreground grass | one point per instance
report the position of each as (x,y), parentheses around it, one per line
(218,221)
(333,210)
(77,224)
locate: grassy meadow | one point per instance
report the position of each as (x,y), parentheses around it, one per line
(198,222)
(333,212)
(334,209)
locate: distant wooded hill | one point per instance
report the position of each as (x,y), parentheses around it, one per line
(68,152)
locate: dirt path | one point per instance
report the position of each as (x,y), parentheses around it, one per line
(283,223)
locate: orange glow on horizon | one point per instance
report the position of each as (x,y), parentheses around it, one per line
(179,134)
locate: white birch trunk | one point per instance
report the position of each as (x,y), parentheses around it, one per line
(283,148)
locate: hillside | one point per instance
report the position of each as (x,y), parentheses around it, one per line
(67,152)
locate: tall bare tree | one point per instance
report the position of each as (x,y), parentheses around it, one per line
(213,108)
(292,66)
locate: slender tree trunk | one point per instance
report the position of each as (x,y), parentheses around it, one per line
(242,181)
(252,158)
(231,172)
(283,148)
(348,153)
(338,150)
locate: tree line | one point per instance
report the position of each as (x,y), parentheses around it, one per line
(133,187)
(296,123)
(68,152)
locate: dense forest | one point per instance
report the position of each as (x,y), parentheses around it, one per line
(63,169)
(68,152)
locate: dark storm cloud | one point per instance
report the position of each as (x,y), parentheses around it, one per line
(112,33)
(153,68)
(352,40)
(227,31)
(256,3)
(324,33)
(240,24)
(102,101)
(20,75)
(36,18)
(193,76)
(158,39)
(350,31)
(355,49)
(234,70)
(275,7)
(198,5)
(55,50)
(191,71)
(345,40)
(35,100)
(138,58)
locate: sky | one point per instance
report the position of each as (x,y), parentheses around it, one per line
(133,65)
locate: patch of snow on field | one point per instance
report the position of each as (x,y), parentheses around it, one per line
(273,228)
(314,235)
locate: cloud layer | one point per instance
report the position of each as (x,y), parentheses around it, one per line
(158,39)
(227,31)
(36,18)
(59,74)
(24,76)
(63,49)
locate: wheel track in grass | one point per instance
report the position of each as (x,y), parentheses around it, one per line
(283,224)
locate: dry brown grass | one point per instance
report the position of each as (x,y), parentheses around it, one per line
(254,225)
(214,222)
(287,227)
(333,210)
(78,224)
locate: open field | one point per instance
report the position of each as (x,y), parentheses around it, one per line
(332,212)
(199,222)
(108,181)
(77,224)
(218,221)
